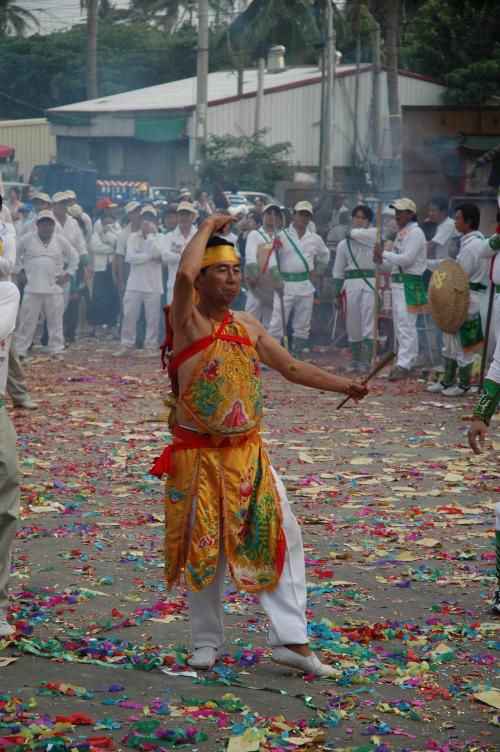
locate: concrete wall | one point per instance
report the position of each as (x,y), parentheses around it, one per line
(32,141)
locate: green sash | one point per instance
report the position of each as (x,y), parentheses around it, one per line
(361,274)
(477,287)
(415,295)
(294,276)
(471,334)
(298,251)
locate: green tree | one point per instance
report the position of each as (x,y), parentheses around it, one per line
(246,162)
(14,19)
(458,42)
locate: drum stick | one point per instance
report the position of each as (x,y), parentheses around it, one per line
(379,367)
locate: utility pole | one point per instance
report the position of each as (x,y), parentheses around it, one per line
(328,119)
(376,92)
(91,67)
(201,89)
(259,100)
(354,153)
(392,10)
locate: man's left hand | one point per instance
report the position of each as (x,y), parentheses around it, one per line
(61,279)
(377,252)
(356,390)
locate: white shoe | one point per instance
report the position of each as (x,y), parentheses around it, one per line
(306,664)
(57,356)
(455,391)
(5,629)
(122,352)
(152,353)
(436,387)
(203,658)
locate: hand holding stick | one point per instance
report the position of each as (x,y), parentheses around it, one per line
(379,367)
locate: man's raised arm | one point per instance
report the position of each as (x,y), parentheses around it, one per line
(189,268)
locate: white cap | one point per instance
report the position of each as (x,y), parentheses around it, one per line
(148,209)
(303,206)
(131,206)
(45,214)
(236,211)
(75,210)
(404,204)
(70,194)
(42,197)
(59,196)
(186,206)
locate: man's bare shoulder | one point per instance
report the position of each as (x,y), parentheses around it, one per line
(254,328)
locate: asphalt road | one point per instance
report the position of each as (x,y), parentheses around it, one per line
(397,519)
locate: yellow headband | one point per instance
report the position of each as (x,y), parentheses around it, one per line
(220,254)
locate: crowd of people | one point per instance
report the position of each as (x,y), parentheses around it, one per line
(69,268)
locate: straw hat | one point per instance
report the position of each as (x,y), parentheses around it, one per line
(449,296)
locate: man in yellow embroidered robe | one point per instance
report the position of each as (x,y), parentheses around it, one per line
(225,505)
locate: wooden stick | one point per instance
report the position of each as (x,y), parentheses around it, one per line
(379,367)
(377,286)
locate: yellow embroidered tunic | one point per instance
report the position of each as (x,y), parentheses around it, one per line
(225,471)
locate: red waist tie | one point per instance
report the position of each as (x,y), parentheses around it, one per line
(162,465)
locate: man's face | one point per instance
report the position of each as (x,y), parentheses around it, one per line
(41,206)
(435,214)
(272,221)
(170,221)
(45,229)
(60,209)
(134,217)
(185,219)
(220,283)
(403,217)
(259,206)
(359,221)
(301,219)
(462,226)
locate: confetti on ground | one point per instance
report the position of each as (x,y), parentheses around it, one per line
(397,518)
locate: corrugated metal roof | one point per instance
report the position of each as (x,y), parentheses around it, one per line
(222,86)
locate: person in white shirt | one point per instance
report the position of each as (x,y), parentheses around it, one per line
(43,255)
(41,202)
(133,214)
(87,222)
(407,263)
(104,304)
(9,466)
(259,242)
(145,254)
(438,248)
(177,240)
(69,226)
(354,272)
(299,254)
(17,387)
(459,348)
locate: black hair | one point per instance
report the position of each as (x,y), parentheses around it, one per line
(257,218)
(365,210)
(471,214)
(1,200)
(218,240)
(440,202)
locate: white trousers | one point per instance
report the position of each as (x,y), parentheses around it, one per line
(132,302)
(359,313)
(35,303)
(405,328)
(9,502)
(257,308)
(302,307)
(285,606)
(452,348)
